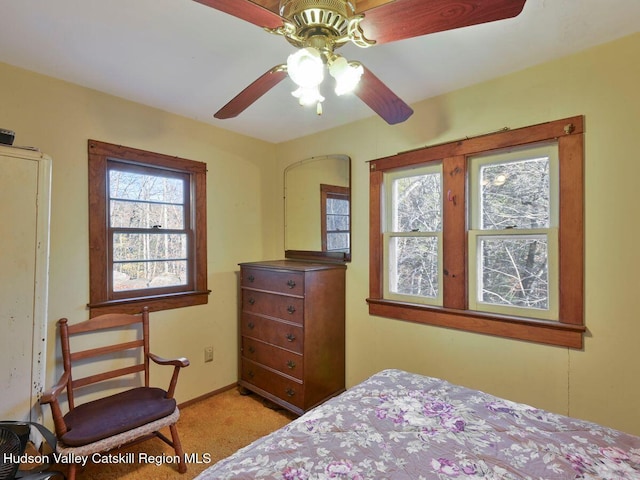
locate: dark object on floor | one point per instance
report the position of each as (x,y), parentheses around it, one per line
(14,436)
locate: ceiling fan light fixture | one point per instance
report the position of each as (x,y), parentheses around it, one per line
(346,74)
(306,68)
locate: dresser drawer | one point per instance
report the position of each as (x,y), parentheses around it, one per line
(273,305)
(283,387)
(271,331)
(279,359)
(275,281)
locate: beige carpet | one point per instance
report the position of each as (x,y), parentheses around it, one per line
(215,427)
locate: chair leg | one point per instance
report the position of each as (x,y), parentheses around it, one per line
(182,466)
(71,474)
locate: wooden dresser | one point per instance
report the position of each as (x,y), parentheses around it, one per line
(292,331)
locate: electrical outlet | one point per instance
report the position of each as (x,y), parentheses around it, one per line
(208,354)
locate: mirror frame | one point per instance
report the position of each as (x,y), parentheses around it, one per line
(313,255)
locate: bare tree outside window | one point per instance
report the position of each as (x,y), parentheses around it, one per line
(415,222)
(335,208)
(147,218)
(514,268)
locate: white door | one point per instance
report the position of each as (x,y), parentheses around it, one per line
(24,219)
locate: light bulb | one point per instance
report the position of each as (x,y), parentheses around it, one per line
(308,96)
(346,74)
(306,68)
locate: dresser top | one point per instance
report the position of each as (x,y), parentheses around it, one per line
(297,265)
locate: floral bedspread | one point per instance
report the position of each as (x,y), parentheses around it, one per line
(398,425)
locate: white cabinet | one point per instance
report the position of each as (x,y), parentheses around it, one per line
(25,180)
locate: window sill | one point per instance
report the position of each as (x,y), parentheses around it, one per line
(539,331)
(154,302)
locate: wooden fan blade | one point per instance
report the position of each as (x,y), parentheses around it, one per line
(246,10)
(412,18)
(253,92)
(381,99)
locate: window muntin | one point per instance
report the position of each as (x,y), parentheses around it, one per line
(413,235)
(513,253)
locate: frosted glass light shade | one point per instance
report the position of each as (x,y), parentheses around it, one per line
(346,74)
(306,68)
(308,96)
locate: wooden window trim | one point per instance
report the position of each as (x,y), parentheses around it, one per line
(100,299)
(326,192)
(569,330)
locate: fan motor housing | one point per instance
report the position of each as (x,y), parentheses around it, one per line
(312,16)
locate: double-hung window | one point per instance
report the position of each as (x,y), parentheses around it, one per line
(147,230)
(483,234)
(513,235)
(413,238)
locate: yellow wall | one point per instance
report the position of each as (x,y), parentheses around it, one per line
(245,218)
(599,383)
(59,118)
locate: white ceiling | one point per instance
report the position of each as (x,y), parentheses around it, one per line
(186,58)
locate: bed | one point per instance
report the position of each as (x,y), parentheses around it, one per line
(399,425)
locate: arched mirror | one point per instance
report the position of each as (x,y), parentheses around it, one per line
(317,208)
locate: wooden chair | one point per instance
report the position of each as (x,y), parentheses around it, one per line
(117,418)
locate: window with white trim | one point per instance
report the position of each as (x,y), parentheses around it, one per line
(413,235)
(513,234)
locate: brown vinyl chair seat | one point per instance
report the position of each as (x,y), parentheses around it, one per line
(109,416)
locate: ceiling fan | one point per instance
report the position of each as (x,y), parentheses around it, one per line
(319,27)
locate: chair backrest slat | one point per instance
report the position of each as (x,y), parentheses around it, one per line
(111,321)
(99,377)
(96,352)
(102,322)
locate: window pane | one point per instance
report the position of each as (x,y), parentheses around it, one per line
(337,242)
(514,271)
(131,214)
(417,203)
(337,206)
(515,194)
(337,223)
(415,268)
(139,200)
(149,246)
(140,275)
(125,185)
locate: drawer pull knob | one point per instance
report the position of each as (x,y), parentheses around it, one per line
(291,309)
(251,325)
(252,350)
(251,278)
(291,337)
(291,283)
(290,392)
(252,300)
(291,364)
(251,374)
